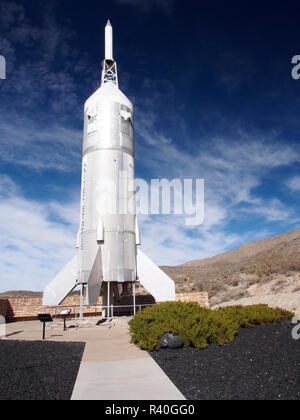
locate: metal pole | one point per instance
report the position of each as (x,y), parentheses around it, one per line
(81,302)
(108,300)
(65,326)
(44,328)
(134,306)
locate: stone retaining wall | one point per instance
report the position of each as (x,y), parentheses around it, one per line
(4,304)
(17,309)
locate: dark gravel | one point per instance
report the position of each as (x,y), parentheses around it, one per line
(263,363)
(36,370)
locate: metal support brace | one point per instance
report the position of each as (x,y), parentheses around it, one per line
(134,298)
(109,72)
(81,301)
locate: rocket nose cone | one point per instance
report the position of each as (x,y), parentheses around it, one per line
(108,23)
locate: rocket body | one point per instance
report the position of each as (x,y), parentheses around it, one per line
(107,191)
(108,233)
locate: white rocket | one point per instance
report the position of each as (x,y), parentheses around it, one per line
(108,233)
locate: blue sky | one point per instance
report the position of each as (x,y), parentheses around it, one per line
(214,99)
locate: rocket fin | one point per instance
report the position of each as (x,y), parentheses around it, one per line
(158,284)
(62,284)
(95,280)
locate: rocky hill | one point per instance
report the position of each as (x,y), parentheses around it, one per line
(268,266)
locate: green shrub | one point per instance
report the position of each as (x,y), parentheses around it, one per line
(248,316)
(198,326)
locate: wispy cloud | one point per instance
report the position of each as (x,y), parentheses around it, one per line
(233,70)
(234,168)
(147,5)
(40,102)
(294,183)
(33,246)
(40,61)
(272,210)
(166,240)
(30,144)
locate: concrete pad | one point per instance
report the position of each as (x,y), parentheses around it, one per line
(132,379)
(112,368)
(108,341)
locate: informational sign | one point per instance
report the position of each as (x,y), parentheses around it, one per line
(66,312)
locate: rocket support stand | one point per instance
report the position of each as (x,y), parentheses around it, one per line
(134,300)
(81,301)
(107,299)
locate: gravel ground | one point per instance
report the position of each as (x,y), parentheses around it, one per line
(36,370)
(263,363)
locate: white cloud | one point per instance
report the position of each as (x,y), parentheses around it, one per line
(26,143)
(294,183)
(46,77)
(33,248)
(167,241)
(40,99)
(232,169)
(272,211)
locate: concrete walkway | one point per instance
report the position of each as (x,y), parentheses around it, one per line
(130,379)
(112,368)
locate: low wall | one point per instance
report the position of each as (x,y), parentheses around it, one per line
(18,309)
(4,305)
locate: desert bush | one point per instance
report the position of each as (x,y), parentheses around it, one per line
(197,326)
(200,286)
(248,316)
(235,282)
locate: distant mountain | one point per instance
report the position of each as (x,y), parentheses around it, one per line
(255,262)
